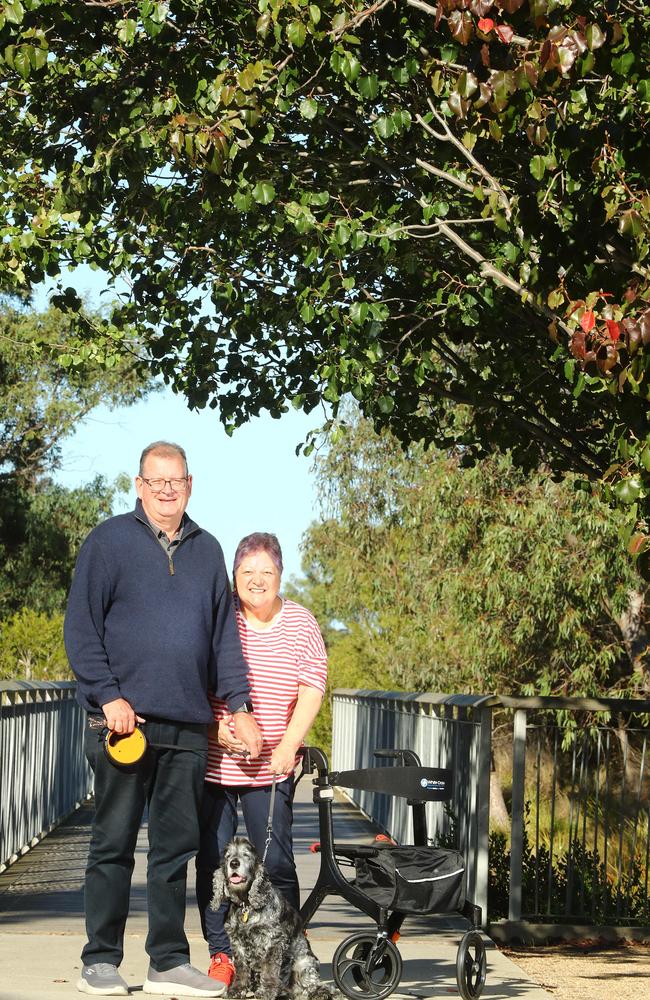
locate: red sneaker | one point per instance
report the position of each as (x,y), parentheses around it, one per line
(222,969)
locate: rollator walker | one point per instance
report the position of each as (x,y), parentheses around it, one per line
(390,881)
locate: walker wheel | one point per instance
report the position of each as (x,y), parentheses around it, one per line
(471,965)
(364,966)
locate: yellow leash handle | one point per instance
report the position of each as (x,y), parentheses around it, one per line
(125,749)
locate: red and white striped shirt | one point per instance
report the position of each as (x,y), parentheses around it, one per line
(289,653)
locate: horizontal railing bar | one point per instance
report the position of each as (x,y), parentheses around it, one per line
(637,706)
(37,686)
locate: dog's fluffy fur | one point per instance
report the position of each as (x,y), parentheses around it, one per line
(270,951)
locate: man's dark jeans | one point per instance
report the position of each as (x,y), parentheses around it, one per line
(170,783)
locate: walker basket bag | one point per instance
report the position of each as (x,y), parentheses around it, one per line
(413,879)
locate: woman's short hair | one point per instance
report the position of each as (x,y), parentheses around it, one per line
(258,541)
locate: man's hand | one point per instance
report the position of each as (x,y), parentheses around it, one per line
(119,716)
(248,731)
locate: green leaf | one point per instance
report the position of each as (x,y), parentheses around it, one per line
(384,127)
(263,192)
(126,30)
(368,86)
(537,167)
(22,62)
(308,108)
(242,200)
(595,37)
(296,34)
(643,90)
(623,64)
(342,233)
(386,404)
(38,57)
(359,312)
(307,313)
(14,12)
(263,24)
(314,13)
(350,67)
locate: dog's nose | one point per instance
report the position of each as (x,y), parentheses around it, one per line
(234,862)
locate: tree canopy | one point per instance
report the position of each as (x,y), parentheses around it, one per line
(438,577)
(423,204)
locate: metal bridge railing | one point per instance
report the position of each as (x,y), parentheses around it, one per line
(43,772)
(577,850)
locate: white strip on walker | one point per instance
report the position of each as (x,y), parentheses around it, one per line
(434,878)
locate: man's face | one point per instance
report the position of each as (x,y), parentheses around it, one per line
(164,508)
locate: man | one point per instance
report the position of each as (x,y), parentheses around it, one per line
(149,629)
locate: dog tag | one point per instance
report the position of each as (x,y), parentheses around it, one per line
(244,915)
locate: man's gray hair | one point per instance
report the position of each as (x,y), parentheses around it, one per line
(165,448)
(259,541)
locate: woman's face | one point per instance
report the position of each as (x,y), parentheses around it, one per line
(258,582)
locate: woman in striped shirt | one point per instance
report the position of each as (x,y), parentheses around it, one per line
(287,671)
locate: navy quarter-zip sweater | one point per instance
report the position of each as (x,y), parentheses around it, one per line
(157,633)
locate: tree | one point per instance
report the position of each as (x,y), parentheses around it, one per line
(42,524)
(43,398)
(41,531)
(424,204)
(31,647)
(482,579)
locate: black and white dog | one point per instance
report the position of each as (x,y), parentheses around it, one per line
(270,951)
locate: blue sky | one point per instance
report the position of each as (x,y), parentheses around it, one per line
(252,481)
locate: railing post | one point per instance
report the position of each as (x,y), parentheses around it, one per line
(517,821)
(483,812)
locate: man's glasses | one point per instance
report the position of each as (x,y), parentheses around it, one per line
(158,485)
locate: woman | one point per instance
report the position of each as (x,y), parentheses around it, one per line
(287,666)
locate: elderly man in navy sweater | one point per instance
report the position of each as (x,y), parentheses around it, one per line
(149,629)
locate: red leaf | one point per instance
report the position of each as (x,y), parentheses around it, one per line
(588,320)
(577,345)
(614,329)
(485,24)
(505,33)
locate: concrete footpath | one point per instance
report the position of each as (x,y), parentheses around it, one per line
(42,924)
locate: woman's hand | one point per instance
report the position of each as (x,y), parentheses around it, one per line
(227,739)
(283,758)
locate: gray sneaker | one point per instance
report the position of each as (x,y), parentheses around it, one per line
(102,980)
(183,981)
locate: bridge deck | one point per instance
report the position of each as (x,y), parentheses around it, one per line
(42,925)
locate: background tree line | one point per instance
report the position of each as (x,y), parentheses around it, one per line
(42,524)
(430,576)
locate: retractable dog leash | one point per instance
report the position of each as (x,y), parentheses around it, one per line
(269,821)
(126,749)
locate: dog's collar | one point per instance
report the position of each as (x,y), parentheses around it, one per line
(245,909)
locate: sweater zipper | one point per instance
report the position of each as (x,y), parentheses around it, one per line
(170,558)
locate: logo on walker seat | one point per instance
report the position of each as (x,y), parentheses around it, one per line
(433,784)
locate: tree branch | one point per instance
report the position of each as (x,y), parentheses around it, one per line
(450,137)
(444,175)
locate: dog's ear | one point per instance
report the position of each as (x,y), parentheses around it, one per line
(258,893)
(218,889)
